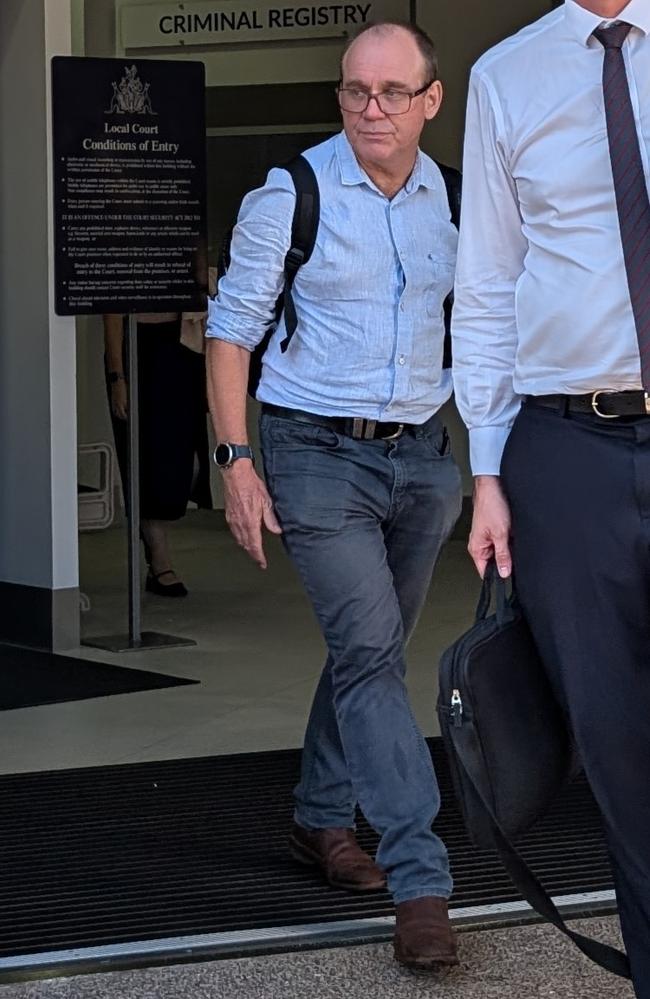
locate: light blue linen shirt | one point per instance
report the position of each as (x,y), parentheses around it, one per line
(369,301)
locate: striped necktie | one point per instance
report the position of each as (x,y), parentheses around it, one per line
(630,186)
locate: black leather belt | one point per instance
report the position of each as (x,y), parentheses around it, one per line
(607,405)
(351,426)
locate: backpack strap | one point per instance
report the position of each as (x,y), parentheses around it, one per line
(454,184)
(304,229)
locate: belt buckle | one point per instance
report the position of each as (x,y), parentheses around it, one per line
(608,416)
(398,433)
(363,430)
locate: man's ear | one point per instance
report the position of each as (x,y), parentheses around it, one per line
(433,100)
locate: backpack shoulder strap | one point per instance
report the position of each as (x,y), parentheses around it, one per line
(223,260)
(454,184)
(304,229)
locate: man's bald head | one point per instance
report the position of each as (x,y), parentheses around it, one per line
(424,44)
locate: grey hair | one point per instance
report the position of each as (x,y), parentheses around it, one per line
(423,41)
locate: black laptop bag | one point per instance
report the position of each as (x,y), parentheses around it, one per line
(508,746)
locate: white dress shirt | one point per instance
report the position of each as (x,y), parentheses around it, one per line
(542,303)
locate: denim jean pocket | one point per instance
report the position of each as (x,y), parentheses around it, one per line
(294,433)
(291,448)
(438,443)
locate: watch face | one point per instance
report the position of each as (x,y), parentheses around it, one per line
(223,455)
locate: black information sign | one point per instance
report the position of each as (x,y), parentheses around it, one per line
(130,185)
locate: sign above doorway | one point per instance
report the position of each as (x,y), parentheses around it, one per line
(159,25)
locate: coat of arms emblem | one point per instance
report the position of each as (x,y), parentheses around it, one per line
(131,95)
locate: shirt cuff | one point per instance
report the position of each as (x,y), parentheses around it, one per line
(221,325)
(486,446)
(211,325)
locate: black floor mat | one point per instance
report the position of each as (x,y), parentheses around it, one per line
(139,852)
(28,678)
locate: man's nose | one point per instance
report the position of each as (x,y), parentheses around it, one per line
(373,110)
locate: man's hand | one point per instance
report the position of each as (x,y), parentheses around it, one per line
(248,505)
(490,534)
(119,399)
(248,508)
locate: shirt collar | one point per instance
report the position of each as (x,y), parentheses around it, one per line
(583,22)
(424,174)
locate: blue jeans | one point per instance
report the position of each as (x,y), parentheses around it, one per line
(364,522)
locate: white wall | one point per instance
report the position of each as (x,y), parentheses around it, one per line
(38,521)
(94,22)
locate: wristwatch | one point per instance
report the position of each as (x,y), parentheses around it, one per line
(115,376)
(225,454)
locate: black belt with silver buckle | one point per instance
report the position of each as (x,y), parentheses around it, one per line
(351,426)
(607,405)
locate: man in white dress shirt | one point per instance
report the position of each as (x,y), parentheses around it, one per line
(552,376)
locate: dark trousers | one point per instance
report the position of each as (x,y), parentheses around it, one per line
(173,425)
(579,492)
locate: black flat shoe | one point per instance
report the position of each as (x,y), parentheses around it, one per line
(153,585)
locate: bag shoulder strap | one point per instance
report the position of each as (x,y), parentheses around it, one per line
(523,878)
(223,260)
(607,957)
(454,185)
(304,229)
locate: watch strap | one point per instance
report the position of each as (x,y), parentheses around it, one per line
(241,451)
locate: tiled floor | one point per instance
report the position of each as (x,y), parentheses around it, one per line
(258,657)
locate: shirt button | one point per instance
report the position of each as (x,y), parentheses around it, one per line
(401,306)
(401,359)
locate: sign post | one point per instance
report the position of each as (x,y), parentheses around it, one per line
(130,223)
(133,452)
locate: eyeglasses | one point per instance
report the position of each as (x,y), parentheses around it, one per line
(389,101)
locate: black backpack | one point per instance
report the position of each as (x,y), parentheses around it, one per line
(454,183)
(304,229)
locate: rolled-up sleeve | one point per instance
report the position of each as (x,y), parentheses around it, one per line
(491,253)
(245,302)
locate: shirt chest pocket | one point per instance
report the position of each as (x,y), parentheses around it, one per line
(439,265)
(440,282)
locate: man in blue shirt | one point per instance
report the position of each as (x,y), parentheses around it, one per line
(361,483)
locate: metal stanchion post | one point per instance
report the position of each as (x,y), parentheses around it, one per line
(133,462)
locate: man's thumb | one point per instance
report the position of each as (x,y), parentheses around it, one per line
(271,521)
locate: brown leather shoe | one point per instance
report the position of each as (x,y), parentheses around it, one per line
(338,855)
(424,938)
